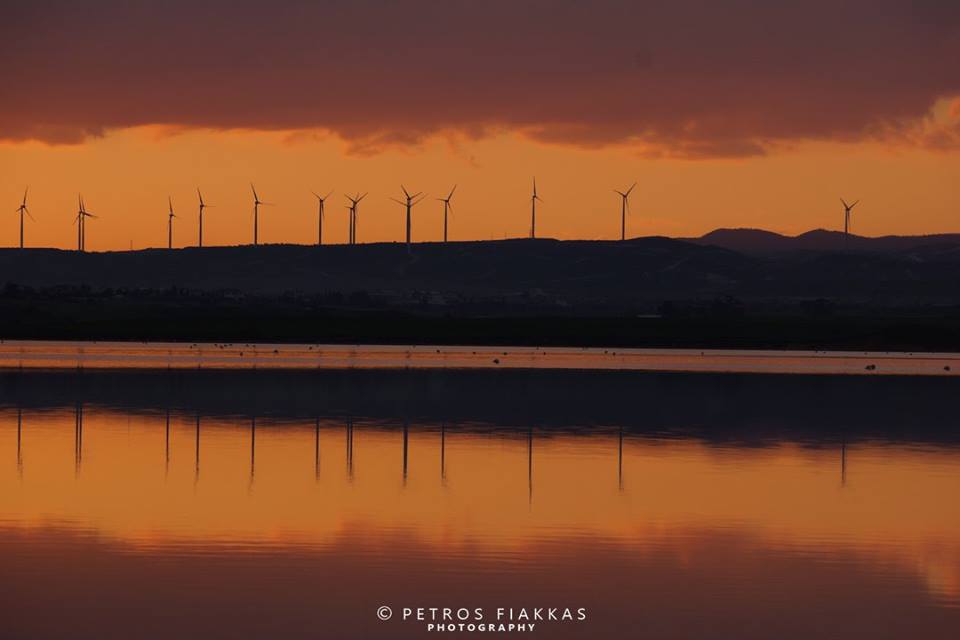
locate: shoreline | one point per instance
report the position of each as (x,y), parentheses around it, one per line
(64,355)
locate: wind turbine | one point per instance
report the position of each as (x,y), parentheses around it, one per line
(410,201)
(81,222)
(446,209)
(356,210)
(320,201)
(203,205)
(847,208)
(624,207)
(170,218)
(354,201)
(533,210)
(256,213)
(22,209)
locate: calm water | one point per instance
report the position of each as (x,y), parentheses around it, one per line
(292,504)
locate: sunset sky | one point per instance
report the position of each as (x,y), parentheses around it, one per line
(743,113)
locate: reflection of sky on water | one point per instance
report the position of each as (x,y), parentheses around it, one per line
(225,523)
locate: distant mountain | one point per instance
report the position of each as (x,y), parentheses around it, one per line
(759,241)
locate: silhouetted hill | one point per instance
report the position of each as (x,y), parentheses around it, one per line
(638,274)
(643,292)
(766,242)
(743,240)
(584,270)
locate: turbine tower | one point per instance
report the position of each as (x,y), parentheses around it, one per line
(624,207)
(533,210)
(410,201)
(320,201)
(354,201)
(446,210)
(847,208)
(22,209)
(350,208)
(170,217)
(203,205)
(256,214)
(81,222)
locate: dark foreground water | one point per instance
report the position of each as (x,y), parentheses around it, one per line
(295,504)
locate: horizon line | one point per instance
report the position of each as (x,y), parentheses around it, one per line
(518,238)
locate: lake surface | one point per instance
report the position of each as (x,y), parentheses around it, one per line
(275,503)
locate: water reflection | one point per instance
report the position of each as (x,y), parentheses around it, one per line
(196,448)
(751,528)
(443,453)
(19,441)
(316,450)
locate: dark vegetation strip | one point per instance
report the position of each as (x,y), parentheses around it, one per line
(266,321)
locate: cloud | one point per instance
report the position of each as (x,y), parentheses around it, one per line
(689,78)
(939,130)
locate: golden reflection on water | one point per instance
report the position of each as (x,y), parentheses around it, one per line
(458,492)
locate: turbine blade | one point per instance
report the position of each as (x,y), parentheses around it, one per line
(854,204)
(25,196)
(327,196)
(403,204)
(254,189)
(451,192)
(404,191)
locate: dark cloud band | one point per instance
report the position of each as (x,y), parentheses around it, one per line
(688,77)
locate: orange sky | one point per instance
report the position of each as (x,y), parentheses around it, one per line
(126,176)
